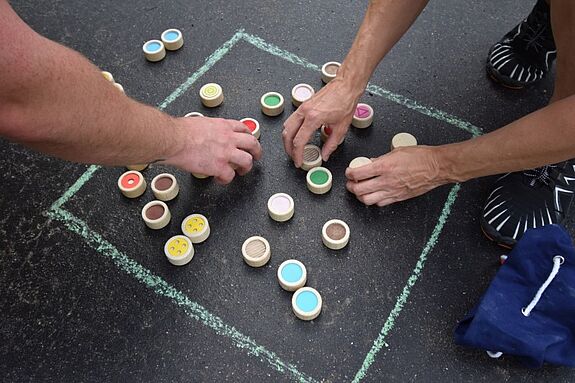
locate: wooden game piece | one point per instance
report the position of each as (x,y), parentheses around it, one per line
(311,157)
(292,275)
(200,176)
(156,215)
(194,114)
(132,184)
(172,39)
(306,303)
(211,95)
(319,180)
(281,207)
(196,227)
(363,116)
(165,187)
(154,50)
(179,250)
(253,125)
(359,162)
(137,168)
(119,87)
(256,251)
(335,234)
(108,76)
(301,93)
(272,104)
(329,71)
(403,140)
(325,132)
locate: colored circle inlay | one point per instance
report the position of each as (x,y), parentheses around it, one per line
(306,301)
(319,177)
(155,212)
(280,204)
(195,225)
(210,91)
(163,183)
(153,46)
(362,111)
(335,231)
(172,36)
(328,130)
(272,100)
(302,93)
(250,124)
(332,69)
(292,272)
(177,247)
(130,181)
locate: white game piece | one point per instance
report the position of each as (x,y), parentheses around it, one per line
(301,93)
(311,157)
(319,180)
(165,187)
(194,114)
(156,215)
(154,50)
(108,76)
(306,303)
(256,251)
(119,87)
(292,275)
(329,71)
(137,168)
(253,125)
(363,116)
(132,184)
(179,250)
(359,162)
(272,104)
(403,140)
(335,234)
(212,95)
(281,207)
(172,39)
(196,227)
(200,176)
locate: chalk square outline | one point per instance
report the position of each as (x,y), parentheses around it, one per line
(196,311)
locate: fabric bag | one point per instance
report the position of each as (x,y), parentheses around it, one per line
(529,308)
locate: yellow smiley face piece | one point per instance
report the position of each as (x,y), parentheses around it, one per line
(194,225)
(177,247)
(179,250)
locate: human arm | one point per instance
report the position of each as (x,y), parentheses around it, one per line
(383,25)
(543,137)
(55,101)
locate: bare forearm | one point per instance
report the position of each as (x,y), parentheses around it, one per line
(544,137)
(54,100)
(383,25)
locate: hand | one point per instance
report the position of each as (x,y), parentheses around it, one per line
(399,175)
(215,147)
(333,106)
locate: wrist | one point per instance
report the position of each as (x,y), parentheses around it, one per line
(449,163)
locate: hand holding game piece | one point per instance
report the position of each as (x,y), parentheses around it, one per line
(215,147)
(333,106)
(399,175)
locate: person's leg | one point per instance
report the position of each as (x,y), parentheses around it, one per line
(525,54)
(563,23)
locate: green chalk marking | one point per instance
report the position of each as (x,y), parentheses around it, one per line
(402,299)
(164,289)
(196,311)
(272,100)
(319,177)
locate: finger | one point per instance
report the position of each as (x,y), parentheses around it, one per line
(239,127)
(387,201)
(365,172)
(302,138)
(368,186)
(291,126)
(333,141)
(249,143)
(241,161)
(374,198)
(226,175)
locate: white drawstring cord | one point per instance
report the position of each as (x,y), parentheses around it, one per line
(557,262)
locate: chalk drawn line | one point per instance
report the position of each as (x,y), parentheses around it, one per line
(198,312)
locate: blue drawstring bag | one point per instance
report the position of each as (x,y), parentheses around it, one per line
(529,308)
